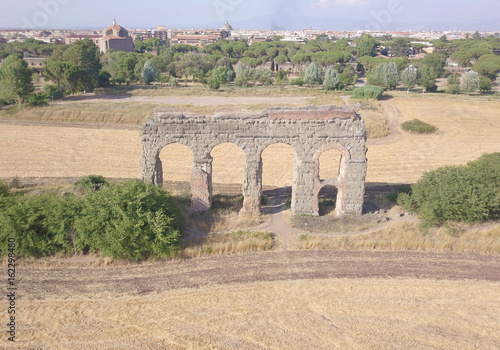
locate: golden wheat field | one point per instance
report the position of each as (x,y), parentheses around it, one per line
(466,130)
(302,314)
(324,304)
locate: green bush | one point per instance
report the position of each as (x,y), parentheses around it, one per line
(50,92)
(393,197)
(91,183)
(368,92)
(453,89)
(467,193)
(4,189)
(131,220)
(418,126)
(297,81)
(40,225)
(38,99)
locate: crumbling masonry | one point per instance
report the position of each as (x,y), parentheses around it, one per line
(310,131)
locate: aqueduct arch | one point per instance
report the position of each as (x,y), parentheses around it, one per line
(310,131)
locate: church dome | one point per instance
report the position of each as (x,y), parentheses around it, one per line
(227,27)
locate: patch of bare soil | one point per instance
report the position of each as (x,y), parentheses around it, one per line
(69,279)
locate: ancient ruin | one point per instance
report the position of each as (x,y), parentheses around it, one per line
(310,131)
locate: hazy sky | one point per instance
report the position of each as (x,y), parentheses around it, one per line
(197,13)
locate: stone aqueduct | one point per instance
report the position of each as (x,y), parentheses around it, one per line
(310,131)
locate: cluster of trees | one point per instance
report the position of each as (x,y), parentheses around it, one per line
(80,66)
(130,220)
(464,193)
(28,48)
(388,73)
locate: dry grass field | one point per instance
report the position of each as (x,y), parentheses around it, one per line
(306,297)
(308,314)
(308,300)
(466,130)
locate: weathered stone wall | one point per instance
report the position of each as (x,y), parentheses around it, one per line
(310,131)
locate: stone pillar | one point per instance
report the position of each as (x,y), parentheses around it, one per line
(355,187)
(252,183)
(151,168)
(303,186)
(201,184)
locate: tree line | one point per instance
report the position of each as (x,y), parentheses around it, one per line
(332,64)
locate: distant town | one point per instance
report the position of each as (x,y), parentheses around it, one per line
(203,37)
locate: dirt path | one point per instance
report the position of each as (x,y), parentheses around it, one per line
(393,118)
(278,226)
(193,100)
(137,279)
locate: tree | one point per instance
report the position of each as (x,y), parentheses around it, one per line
(243,75)
(331,80)
(470,82)
(173,82)
(485,84)
(462,57)
(427,78)
(148,72)
(453,84)
(488,65)
(71,76)
(400,47)
(15,80)
(347,77)
(386,75)
(53,69)
(312,75)
(219,76)
(85,54)
(437,61)
(281,77)
(367,46)
(409,77)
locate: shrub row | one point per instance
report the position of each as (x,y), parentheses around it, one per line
(368,92)
(130,220)
(465,193)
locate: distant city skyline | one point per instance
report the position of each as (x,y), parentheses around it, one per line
(254,14)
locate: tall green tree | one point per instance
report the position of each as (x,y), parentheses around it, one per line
(427,78)
(367,46)
(400,47)
(386,75)
(437,61)
(85,54)
(15,80)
